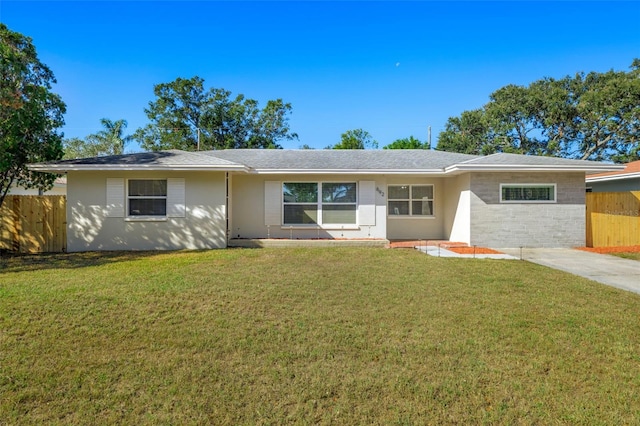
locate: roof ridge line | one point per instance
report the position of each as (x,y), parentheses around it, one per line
(477,157)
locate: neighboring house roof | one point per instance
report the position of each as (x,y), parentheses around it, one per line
(59,187)
(631,170)
(410,161)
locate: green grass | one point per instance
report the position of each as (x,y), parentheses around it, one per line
(300,336)
(628,255)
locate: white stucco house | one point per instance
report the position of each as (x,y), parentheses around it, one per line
(214,199)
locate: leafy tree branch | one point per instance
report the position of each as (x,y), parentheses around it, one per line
(187,116)
(593,116)
(30,114)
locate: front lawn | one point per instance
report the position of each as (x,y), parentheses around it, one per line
(328,336)
(628,255)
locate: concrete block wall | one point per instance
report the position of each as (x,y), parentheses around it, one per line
(559,224)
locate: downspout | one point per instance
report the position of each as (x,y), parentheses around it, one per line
(226,207)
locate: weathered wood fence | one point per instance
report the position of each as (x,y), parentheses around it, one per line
(33,224)
(613,219)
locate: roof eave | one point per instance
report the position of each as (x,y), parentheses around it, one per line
(64,168)
(348,171)
(457,168)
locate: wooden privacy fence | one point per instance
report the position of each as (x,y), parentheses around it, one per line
(33,224)
(613,219)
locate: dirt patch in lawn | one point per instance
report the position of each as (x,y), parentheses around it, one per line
(456,247)
(472,250)
(421,243)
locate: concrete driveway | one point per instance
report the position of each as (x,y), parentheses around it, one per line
(603,268)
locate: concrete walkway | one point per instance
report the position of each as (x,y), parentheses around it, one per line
(603,268)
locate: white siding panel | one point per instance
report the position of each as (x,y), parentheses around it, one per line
(367,204)
(272,202)
(115,197)
(175,197)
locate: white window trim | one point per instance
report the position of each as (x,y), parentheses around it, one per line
(117,200)
(410,215)
(319,204)
(145,218)
(531,185)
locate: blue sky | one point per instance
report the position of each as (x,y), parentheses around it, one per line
(390,68)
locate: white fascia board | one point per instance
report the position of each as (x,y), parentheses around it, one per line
(457,168)
(613,177)
(59,168)
(433,172)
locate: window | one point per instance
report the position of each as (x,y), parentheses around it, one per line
(147,197)
(319,203)
(300,203)
(338,203)
(410,200)
(527,193)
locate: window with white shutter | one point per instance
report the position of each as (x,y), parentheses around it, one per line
(145,198)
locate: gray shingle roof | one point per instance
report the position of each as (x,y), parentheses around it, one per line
(321,161)
(528,160)
(144,160)
(309,159)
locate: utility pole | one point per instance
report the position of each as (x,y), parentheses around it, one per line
(198,129)
(429,136)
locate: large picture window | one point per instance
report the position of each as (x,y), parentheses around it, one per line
(319,203)
(147,197)
(300,203)
(527,193)
(410,200)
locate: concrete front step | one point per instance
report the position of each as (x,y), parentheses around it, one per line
(277,242)
(422,243)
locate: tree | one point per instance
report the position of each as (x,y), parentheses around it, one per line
(605,112)
(112,137)
(108,141)
(594,116)
(355,139)
(513,117)
(407,143)
(79,148)
(30,114)
(186,116)
(469,134)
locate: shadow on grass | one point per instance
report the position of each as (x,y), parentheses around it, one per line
(10,262)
